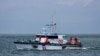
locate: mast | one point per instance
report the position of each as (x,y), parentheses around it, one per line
(52,27)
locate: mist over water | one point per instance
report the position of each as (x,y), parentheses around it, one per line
(90,42)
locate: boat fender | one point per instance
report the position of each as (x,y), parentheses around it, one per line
(63,47)
(34,46)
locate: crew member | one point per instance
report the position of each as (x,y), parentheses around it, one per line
(76,40)
(70,41)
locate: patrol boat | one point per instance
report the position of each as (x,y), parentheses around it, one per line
(49,40)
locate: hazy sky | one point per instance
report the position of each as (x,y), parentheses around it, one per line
(29,16)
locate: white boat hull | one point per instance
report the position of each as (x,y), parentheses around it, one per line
(41,47)
(48,47)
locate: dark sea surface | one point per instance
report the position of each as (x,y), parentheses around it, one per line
(8,48)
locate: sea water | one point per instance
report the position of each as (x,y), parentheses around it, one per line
(91,44)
